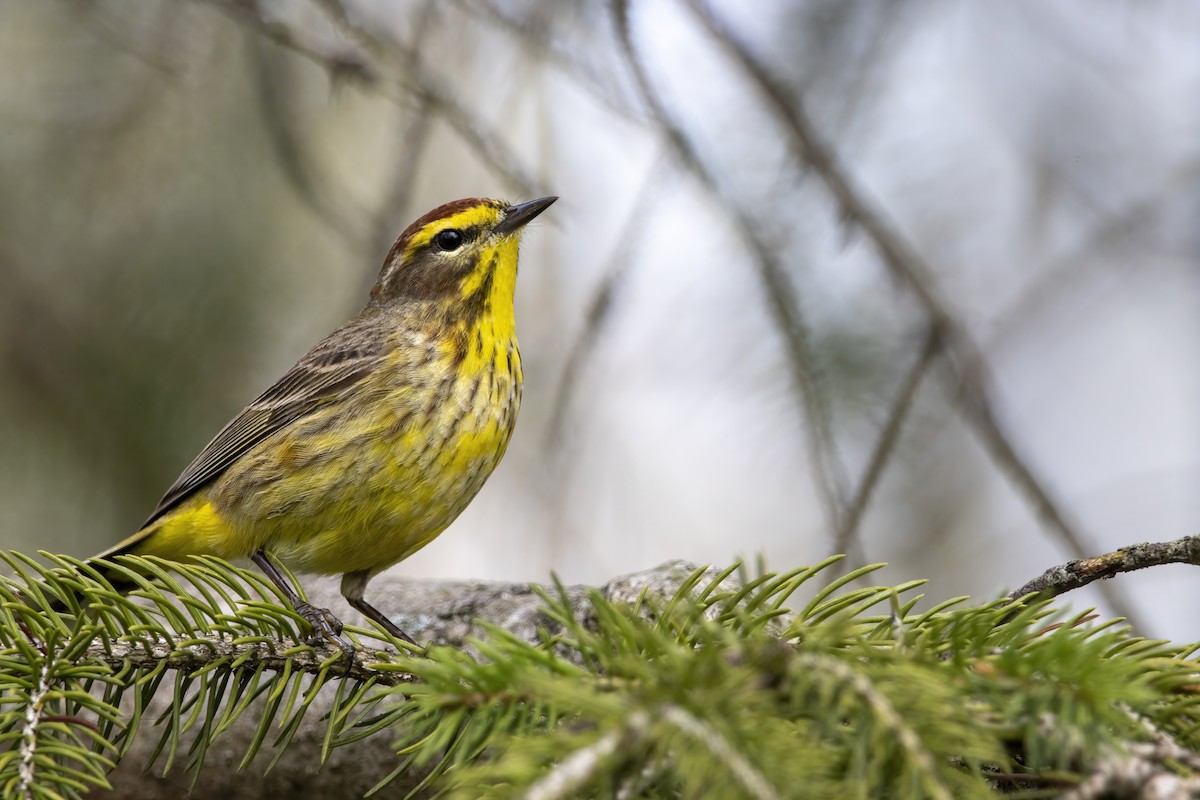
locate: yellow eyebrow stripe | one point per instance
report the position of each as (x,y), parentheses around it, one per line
(482,215)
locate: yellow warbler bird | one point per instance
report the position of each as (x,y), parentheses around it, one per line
(379,437)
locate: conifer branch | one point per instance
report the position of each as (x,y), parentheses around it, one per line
(207,652)
(29,733)
(678,681)
(1144,773)
(753,782)
(886,712)
(582,765)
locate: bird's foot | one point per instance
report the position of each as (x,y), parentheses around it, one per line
(326,627)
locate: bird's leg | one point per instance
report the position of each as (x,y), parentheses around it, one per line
(353,586)
(322,620)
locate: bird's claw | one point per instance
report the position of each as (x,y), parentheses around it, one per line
(326,627)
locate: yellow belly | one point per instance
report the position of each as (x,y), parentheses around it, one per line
(361,484)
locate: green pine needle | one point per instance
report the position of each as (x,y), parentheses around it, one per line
(716,690)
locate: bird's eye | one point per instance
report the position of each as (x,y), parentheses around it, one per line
(450,239)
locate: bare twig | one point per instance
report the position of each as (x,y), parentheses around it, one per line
(884,447)
(362,63)
(1064,272)
(971,391)
(1076,574)
(436,97)
(600,305)
(789,320)
(339,63)
(330,202)
(567,60)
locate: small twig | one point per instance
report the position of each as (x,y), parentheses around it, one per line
(786,312)
(883,449)
(434,96)
(555,52)
(363,61)
(340,63)
(971,391)
(323,195)
(67,719)
(600,304)
(1076,574)
(1063,273)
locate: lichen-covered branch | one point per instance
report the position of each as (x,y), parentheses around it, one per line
(1080,572)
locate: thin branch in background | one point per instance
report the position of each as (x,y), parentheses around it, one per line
(885,445)
(340,63)
(362,65)
(600,305)
(1064,272)
(117,34)
(1081,572)
(476,133)
(888,19)
(551,52)
(413,141)
(331,203)
(786,313)
(436,97)
(971,392)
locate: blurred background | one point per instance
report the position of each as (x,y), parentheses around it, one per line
(919,282)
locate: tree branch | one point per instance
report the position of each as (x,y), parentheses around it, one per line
(786,312)
(366,61)
(972,391)
(445,613)
(883,449)
(1079,573)
(200,652)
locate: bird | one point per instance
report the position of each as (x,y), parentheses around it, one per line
(378,437)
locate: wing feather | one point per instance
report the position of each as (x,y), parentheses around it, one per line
(325,373)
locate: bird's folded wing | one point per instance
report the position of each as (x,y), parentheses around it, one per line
(313,382)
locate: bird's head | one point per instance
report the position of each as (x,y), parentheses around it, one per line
(462,253)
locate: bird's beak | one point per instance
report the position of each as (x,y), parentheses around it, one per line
(519,215)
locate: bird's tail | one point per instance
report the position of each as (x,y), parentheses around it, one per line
(119,579)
